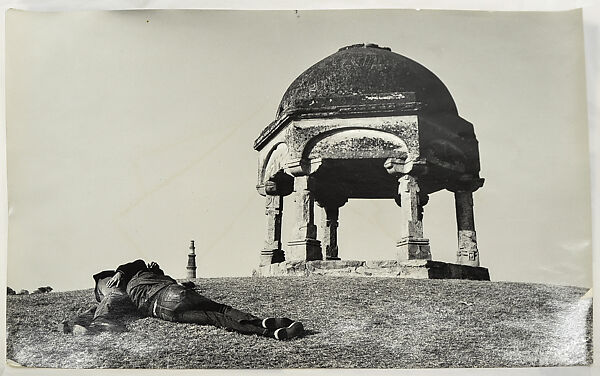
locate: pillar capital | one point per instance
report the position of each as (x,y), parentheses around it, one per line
(280,184)
(303,166)
(402,166)
(332,202)
(466,184)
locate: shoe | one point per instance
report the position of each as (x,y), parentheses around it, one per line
(295,329)
(276,322)
(101,324)
(79,330)
(65,326)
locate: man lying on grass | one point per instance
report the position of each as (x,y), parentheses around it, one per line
(147,288)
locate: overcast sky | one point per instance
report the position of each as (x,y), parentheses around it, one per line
(130,133)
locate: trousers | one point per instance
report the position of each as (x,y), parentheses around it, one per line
(113,304)
(181,304)
(114,301)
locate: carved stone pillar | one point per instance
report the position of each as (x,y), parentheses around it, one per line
(329,226)
(272,252)
(467,239)
(412,244)
(305,245)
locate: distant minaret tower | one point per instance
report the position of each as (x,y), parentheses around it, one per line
(191,266)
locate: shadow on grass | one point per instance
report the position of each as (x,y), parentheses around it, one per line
(309,332)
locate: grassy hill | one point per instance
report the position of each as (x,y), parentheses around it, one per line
(350,322)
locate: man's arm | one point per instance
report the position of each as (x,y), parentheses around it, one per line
(131,268)
(115,280)
(125,272)
(155,268)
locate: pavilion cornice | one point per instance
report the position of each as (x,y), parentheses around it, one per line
(337,110)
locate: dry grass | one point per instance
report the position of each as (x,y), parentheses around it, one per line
(350,322)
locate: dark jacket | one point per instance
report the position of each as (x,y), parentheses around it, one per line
(97,278)
(143,283)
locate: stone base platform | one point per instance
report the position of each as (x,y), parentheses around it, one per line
(419,269)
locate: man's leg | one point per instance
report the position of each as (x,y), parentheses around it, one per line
(78,323)
(222,320)
(176,303)
(114,304)
(232,319)
(202,309)
(202,303)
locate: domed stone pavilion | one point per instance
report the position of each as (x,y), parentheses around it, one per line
(366,123)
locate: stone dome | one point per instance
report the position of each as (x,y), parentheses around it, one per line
(366,76)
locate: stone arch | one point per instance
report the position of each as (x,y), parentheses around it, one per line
(274,162)
(356,143)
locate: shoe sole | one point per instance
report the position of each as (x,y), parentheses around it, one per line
(293,330)
(275,322)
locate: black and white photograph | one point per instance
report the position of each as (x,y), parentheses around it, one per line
(297,189)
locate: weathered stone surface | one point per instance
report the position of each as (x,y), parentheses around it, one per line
(272,251)
(381,263)
(358,144)
(305,245)
(366,123)
(363,78)
(306,249)
(352,138)
(332,265)
(416,272)
(412,244)
(275,163)
(10,291)
(329,226)
(441,270)
(414,263)
(297,268)
(419,269)
(23,292)
(467,253)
